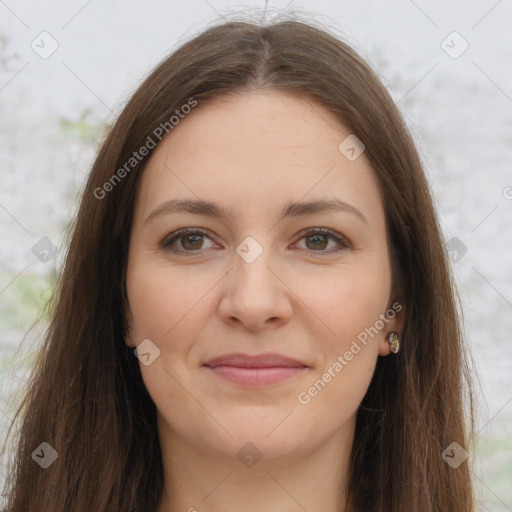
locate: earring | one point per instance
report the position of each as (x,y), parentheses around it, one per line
(393,340)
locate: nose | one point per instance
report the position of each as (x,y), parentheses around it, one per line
(255,294)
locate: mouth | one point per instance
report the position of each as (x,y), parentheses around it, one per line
(259,370)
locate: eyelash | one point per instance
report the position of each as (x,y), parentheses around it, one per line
(175,235)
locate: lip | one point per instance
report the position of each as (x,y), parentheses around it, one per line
(266,360)
(257,370)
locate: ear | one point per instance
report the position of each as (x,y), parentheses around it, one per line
(128,315)
(395,315)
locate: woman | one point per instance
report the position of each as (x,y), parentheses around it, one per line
(256,311)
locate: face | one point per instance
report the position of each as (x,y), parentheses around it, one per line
(310,283)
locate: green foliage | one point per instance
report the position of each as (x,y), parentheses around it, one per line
(24,300)
(84,129)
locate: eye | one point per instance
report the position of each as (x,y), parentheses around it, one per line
(317,240)
(190,240)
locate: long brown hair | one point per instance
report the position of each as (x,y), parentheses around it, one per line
(86,397)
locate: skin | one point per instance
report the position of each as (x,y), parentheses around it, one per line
(252,153)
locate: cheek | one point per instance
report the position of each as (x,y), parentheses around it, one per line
(349,302)
(162,300)
(166,308)
(169,307)
(337,388)
(350,308)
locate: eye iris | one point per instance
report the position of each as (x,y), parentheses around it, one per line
(193,241)
(196,238)
(317,238)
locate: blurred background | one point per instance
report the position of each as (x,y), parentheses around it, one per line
(68,67)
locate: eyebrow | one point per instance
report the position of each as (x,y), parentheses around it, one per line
(215,210)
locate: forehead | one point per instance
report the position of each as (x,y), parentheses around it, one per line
(258,150)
